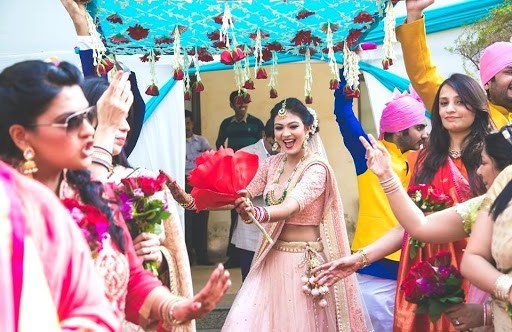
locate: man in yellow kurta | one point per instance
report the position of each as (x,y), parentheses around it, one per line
(495,65)
(402,129)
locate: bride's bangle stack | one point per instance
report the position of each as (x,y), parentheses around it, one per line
(189,204)
(502,287)
(103,157)
(261,214)
(390,185)
(166,311)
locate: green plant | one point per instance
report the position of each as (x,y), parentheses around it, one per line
(476,37)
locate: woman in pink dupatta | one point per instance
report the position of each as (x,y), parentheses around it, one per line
(47,279)
(46,130)
(304,221)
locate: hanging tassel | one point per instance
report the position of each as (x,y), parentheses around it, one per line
(152,89)
(334,83)
(308,78)
(198,85)
(177,58)
(351,72)
(389,36)
(272,83)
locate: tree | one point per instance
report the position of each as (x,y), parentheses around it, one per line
(475,38)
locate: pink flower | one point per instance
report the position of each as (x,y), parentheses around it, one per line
(152,90)
(178,74)
(273,93)
(261,74)
(198,87)
(226,58)
(249,84)
(334,84)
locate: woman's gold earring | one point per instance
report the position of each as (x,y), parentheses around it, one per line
(29,167)
(305,143)
(275,147)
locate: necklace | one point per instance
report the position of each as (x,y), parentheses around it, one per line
(454,154)
(269,197)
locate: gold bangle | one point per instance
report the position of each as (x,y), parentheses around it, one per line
(188,202)
(364,257)
(502,287)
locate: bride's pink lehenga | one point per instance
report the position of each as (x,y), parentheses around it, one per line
(271,298)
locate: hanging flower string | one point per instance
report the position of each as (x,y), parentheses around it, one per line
(308,78)
(101,61)
(334,83)
(186,79)
(198,85)
(227,23)
(389,36)
(248,82)
(273,76)
(259,72)
(351,72)
(177,59)
(152,89)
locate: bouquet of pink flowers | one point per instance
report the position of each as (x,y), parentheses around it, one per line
(433,285)
(429,199)
(92,222)
(141,210)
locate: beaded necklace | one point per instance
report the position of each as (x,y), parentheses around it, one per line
(269,197)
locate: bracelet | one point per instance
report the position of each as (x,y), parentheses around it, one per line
(102,162)
(387,180)
(189,204)
(364,257)
(166,311)
(502,287)
(98,148)
(261,214)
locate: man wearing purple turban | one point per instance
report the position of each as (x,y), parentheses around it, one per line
(495,65)
(402,129)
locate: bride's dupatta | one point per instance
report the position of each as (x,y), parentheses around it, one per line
(451,179)
(351,313)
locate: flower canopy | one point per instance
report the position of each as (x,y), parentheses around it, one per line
(211,26)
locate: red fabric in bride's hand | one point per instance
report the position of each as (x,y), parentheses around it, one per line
(219,175)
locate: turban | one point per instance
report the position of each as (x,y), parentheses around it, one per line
(403,111)
(495,58)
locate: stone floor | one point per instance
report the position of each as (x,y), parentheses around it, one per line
(214,320)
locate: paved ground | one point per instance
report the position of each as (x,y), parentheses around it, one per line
(213,321)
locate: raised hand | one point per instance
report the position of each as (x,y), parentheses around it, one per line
(178,193)
(243,206)
(415,8)
(330,273)
(114,104)
(207,298)
(76,11)
(377,157)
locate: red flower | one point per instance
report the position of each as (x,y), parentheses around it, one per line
(266,54)
(219,44)
(261,74)
(386,62)
(247,98)
(334,84)
(219,175)
(138,32)
(274,46)
(239,100)
(202,54)
(164,40)
(353,37)
(412,290)
(363,17)
(215,35)
(218,19)
(152,90)
(238,54)
(226,58)
(198,87)
(255,34)
(119,39)
(334,27)
(249,84)
(442,258)
(114,18)
(104,66)
(187,95)
(273,93)
(309,99)
(304,14)
(178,74)
(303,50)
(351,93)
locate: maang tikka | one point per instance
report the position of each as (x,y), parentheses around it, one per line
(282,112)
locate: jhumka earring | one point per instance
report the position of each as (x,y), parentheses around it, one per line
(29,167)
(305,143)
(275,147)
(282,112)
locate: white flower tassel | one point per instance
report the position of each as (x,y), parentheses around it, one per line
(177,59)
(272,82)
(389,36)
(258,52)
(152,67)
(333,65)
(227,23)
(186,76)
(98,48)
(239,75)
(308,78)
(350,69)
(246,72)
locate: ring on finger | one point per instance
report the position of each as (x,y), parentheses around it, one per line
(457,323)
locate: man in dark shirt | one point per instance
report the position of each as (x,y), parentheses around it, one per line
(240,130)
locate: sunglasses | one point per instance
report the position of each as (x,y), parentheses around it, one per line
(74,121)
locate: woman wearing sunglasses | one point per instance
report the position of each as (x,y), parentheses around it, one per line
(41,105)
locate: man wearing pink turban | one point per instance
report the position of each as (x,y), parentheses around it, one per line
(402,129)
(495,65)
